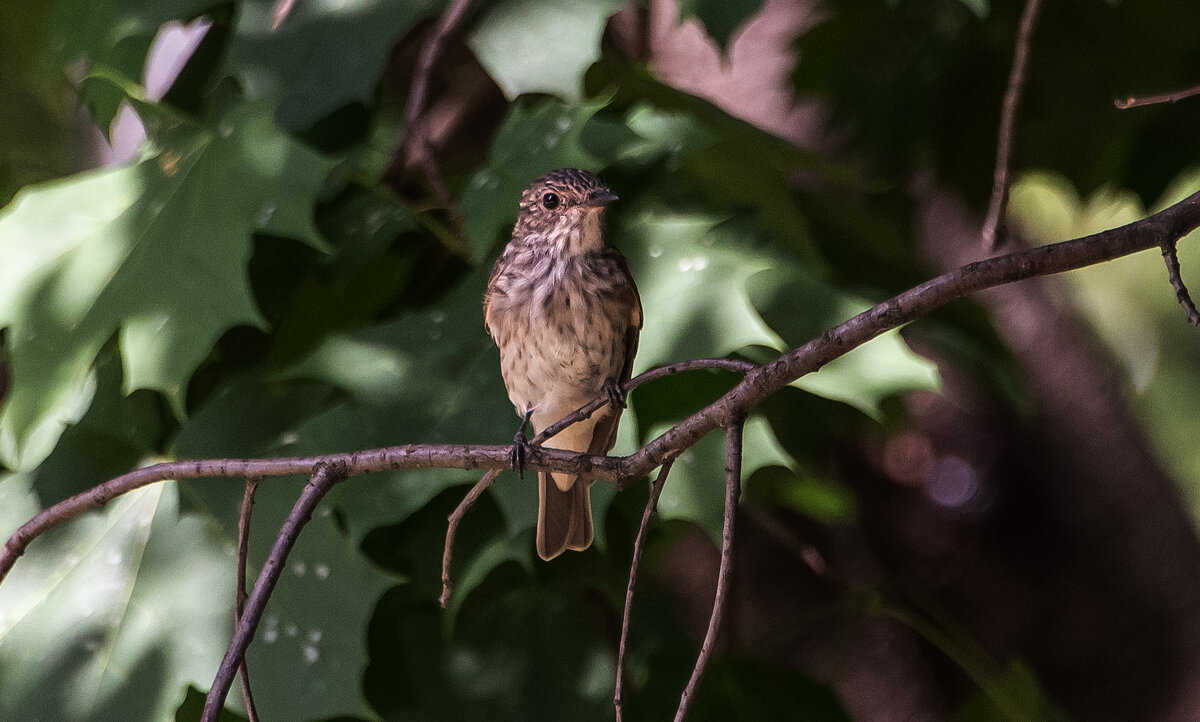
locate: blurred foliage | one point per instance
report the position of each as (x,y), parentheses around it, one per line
(1145,331)
(253,284)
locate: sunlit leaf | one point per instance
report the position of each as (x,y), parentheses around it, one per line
(155,252)
(1131,306)
(541,46)
(799,307)
(695,490)
(89,617)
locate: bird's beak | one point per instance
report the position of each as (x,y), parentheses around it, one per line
(601,197)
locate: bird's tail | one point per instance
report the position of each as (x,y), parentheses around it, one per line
(565,500)
(564,517)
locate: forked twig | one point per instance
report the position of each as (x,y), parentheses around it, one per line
(1171,258)
(1008,121)
(454,520)
(733,491)
(319,484)
(638,545)
(239,599)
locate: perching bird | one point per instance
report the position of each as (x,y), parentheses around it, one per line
(565,313)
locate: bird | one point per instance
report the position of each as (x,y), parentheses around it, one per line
(564,311)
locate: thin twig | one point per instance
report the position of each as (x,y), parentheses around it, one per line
(454,520)
(1133,102)
(239,599)
(733,491)
(1167,225)
(416,140)
(638,545)
(322,480)
(1008,121)
(1181,292)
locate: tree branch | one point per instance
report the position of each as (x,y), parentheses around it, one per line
(1008,120)
(1163,227)
(638,546)
(733,491)
(324,477)
(1169,224)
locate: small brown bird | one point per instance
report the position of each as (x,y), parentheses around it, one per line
(565,313)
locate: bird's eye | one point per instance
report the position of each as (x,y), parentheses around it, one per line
(550,201)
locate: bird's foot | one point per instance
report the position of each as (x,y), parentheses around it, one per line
(614,392)
(516,456)
(520,449)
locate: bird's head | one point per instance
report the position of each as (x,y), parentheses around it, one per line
(564,207)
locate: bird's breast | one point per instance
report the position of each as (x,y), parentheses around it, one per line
(561,332)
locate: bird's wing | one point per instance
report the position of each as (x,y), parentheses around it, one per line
(489,294)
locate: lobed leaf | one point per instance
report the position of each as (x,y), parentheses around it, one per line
(155,252)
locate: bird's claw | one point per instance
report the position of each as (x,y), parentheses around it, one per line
(516,456)
(614,392)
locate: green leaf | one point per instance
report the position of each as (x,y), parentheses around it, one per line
(113,34)
(691,271)
(522,652)
(721,18)
(36,135)
(981,8)
(711,162)
(824,500)
(536,137)
(304,64)
(431,375)
(90,618)
(310,650)
(192,709)
(864,377)
(541,46)
(695,490)
(301,66)
(155,252)
(1133,311)
(1018,690)
(713,288)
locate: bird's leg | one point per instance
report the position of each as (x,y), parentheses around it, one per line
(516,457)
(614,392)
